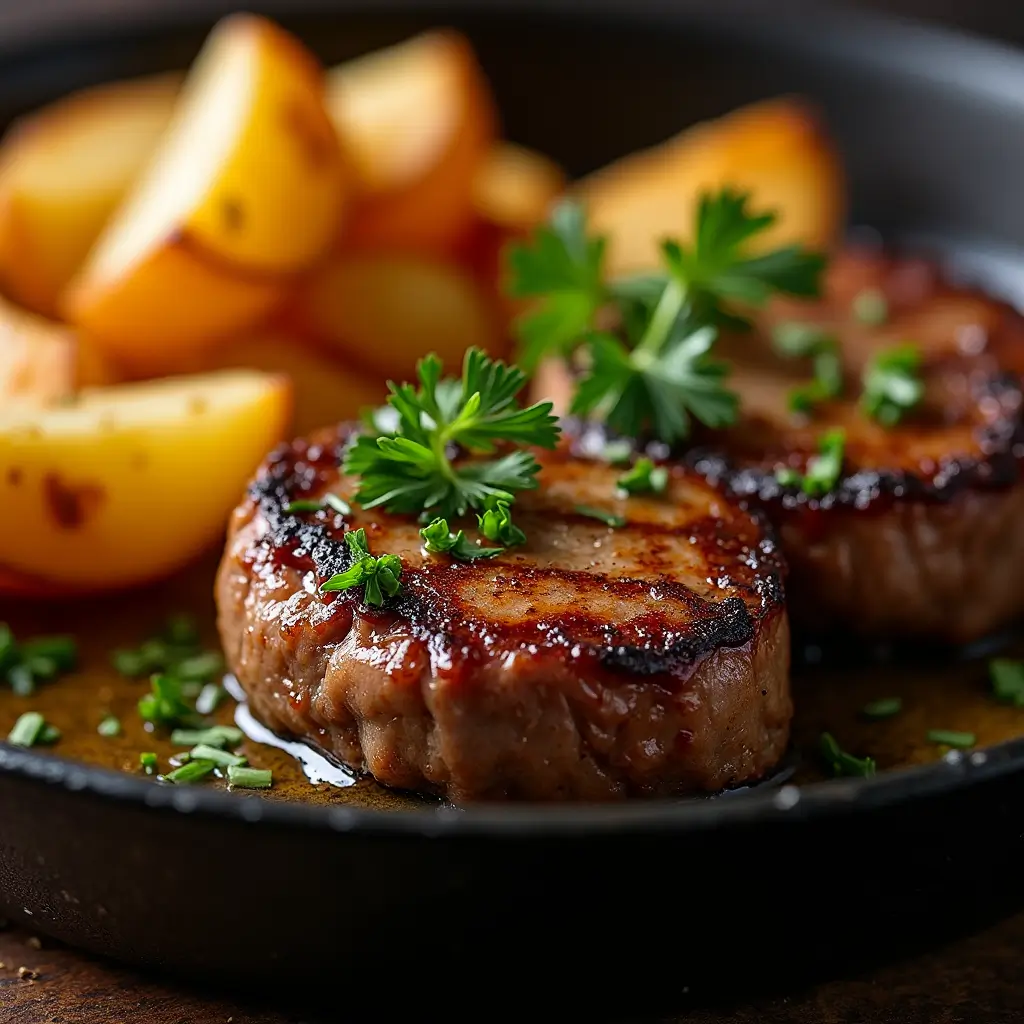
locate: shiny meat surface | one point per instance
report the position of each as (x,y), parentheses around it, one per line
(592,663)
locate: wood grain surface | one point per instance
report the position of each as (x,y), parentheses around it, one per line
(974,981)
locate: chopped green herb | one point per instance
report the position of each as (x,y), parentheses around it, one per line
(1007,680)
(328,501)
(496,524)
(949,738)
(148,762)
(199,668)
(439,540)
(617,453)
(25,664)
(644,478)
(181,630)
(188,773)
(216,736)
(885,707)
(379,575)
(49,734)
(27,729)
(110,726)
(655,372)
(842,763)
(250,778)
(798,339)
(608,518)
(165,704)
(204,752)
(413,472)
(176,651)
(824,469)
(788,476)
(870,307)
(892,386)
(210,698)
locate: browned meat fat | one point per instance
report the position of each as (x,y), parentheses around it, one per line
(923,535)
(590,664)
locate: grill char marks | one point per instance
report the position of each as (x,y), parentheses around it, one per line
(590,663)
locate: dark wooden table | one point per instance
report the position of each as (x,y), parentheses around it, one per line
(978,980)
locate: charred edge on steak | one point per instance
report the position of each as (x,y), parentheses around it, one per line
(300,467)
(1000,439)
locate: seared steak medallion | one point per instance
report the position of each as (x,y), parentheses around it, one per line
(592,663)
(922,535)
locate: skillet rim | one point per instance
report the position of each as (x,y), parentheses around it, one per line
(984,68)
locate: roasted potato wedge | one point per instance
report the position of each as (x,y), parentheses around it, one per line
(776,149)
(514,187)
(128,483)
(417,121)
(43,362)
(383,312)
(245,190)
(63,171)
(324,389)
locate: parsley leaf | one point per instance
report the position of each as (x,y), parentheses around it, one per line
(413,471)
(644,478)
(601,515)
(438,539)
(891,384)
(564,268)
(840,762)
(379,575)
(496,524)
(823,469)
(653,372)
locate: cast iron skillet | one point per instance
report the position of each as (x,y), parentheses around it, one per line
(624,906)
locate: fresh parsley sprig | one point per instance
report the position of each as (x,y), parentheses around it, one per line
(892,385)
(496,524)
(414,470)
(379,575)
(653,371)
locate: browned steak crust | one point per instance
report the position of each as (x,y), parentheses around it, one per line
(591,664)
(923,534)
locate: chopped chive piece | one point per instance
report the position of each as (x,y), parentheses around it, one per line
(110,726)
(842,763)
(210,698)
(49,734)
(644,477)
(331,501)
(22,681)
(617,453)
(608,518)
(216,736)
(788,476)
(204,752)
(1007,680)
(870,307)
(27,730)
(797,338)
(191,772)
(177,760)
(950,738)
(25,664)
(200,667)
(148,762)
(885,707)
(250,778)
(824,469)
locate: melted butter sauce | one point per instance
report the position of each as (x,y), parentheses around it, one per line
(937,693)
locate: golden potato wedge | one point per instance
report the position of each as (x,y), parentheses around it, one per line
(245,190)
(777,150)
(514,187)
(128,483)
(324,390)
(383,312)
(63,171)
(417,120)
(42,362)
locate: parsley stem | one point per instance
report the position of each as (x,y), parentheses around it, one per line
(665,314)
